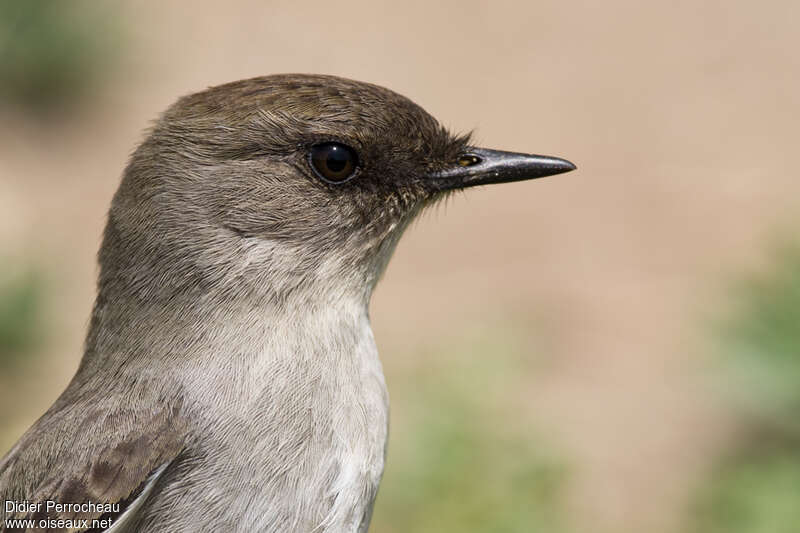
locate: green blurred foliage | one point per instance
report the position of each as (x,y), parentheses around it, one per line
(52,53)
(762,344)
(21,328)
(756,489)
(463,456)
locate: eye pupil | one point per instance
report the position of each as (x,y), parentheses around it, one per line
(337,160)
(333,162)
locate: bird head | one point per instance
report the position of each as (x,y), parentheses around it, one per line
(273,184)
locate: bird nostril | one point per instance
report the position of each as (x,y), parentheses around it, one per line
(467,160)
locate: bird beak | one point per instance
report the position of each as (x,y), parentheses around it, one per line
(481,166)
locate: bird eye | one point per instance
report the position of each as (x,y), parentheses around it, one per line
(333,162)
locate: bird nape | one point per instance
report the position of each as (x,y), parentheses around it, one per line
(230,380)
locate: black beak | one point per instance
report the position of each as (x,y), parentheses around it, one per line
(481,166)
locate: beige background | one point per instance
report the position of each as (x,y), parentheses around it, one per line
(681,116)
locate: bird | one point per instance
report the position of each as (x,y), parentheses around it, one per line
(230,379)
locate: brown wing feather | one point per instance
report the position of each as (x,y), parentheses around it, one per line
(110,465)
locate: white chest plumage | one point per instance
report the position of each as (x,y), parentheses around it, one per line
(309,407)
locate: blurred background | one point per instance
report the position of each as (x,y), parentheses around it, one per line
(612,350)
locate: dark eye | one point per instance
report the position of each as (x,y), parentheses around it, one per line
(333,162)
